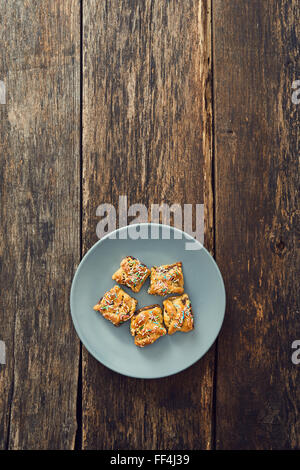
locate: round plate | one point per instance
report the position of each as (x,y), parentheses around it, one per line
(115,347)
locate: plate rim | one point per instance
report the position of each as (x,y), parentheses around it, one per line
(121,229)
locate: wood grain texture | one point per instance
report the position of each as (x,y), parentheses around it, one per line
(146,74)
(256,59)
(39,241)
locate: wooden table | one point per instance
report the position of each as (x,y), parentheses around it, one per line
(183,101)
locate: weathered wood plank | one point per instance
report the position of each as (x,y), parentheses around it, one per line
(256,59)
(39,240)
(146,75)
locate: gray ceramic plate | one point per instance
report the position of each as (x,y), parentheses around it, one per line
(114,347)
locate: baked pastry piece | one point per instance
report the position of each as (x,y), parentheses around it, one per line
(147,325)
(132,273)
(116,306)
(178,315)
(167,279)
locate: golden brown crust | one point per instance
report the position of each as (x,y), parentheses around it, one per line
(166,279)
(147,325)
(132,273)
(149,307)
(178,314)
(116,306)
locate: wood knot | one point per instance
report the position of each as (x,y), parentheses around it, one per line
(278,246)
